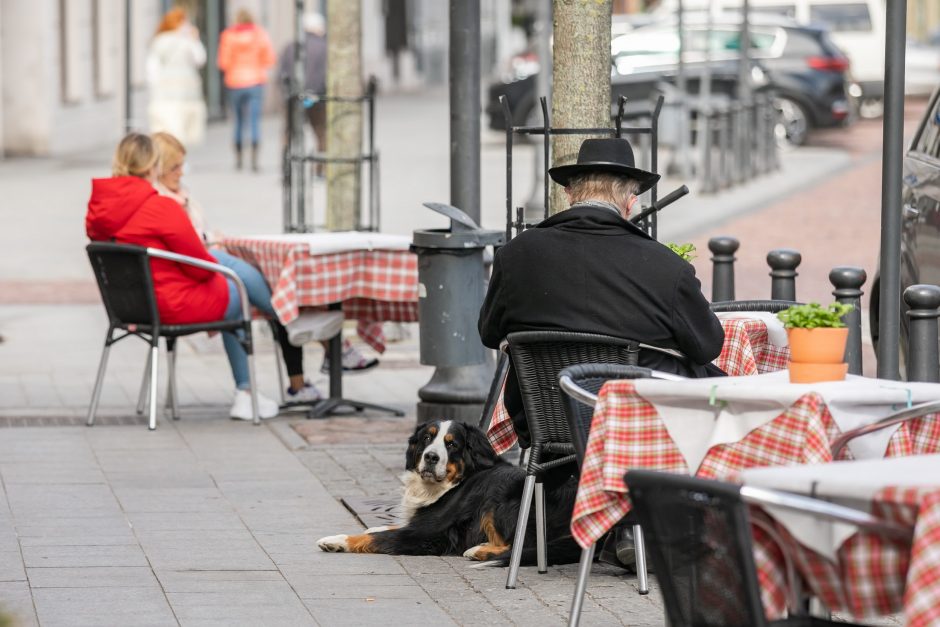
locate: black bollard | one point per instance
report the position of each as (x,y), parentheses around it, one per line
(923,360)
(848,280)
(783,263)
(723,249)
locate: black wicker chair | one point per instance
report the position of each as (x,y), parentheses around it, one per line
(537,358)
(581,385)
(773,306)
(699,539)
(124,280)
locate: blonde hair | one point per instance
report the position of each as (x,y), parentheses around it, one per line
(170,151)
(135,156)
(243,16)
(172,20)
(602,186)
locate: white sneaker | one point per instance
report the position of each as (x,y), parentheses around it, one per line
(241,408)
(305,395)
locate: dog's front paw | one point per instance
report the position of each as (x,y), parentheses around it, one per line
(333,544)
(472,552)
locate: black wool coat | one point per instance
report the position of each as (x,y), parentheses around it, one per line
(587,269)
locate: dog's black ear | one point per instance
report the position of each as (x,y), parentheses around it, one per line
(411,454)
(480,453)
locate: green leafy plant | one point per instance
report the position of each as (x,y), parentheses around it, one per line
(814,316)
(683,250)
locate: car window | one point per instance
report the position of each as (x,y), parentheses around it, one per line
(928,143)
(730,39)
(787,10)
(842,17)
(801,43)
(641,42)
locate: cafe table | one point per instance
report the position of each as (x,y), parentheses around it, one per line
(373,276)
(859,572)
(755,343)
(717,427)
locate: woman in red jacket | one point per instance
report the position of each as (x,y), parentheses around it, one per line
(126,208)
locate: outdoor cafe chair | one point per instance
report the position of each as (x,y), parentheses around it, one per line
(538,357)
(698,534)
(580,385)
(771,306)
(911,413)
(126,285)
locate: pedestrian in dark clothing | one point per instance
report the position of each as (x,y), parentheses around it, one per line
(314,78)
(589,269)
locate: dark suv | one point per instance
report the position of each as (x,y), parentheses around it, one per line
(920,216)
(800,64)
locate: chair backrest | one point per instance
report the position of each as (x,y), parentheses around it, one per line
(591,377)
(539,356)
(699,537)
(773,306)
(123,275)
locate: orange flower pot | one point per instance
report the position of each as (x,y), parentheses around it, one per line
(815,373)
(818,346)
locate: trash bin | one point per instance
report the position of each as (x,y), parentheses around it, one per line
(451,286)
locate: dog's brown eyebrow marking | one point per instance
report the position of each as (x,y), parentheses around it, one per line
(432,430)
(449,438)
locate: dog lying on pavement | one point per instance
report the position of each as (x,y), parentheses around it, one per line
(460,498)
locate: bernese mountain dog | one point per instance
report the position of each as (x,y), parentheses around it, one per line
(461,498)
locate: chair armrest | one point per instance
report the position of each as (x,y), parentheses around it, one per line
(578,393)
(212,267)
(918,411)
(823,509)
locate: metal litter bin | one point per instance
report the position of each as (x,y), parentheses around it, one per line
(451,287)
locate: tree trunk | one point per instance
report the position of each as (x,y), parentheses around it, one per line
(344,119)
(581,78)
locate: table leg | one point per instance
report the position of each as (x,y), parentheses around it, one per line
(333,405)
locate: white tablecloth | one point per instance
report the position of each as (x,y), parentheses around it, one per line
(341,241)
(702,413)
(852,483)
(776,332)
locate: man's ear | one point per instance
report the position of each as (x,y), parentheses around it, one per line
(631,202)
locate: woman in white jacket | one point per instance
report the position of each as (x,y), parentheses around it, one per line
(173,61)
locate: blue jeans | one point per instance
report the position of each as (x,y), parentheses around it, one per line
(250,98)
(259,295)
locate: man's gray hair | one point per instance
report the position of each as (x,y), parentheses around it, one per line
(602,186)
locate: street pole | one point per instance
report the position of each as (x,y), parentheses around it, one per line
(297,168)
(128,107)
(893,152)
(543,86)
(682,146)
(465,106)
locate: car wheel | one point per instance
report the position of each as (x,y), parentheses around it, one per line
(792,124)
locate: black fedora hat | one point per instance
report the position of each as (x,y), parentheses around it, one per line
(608,155)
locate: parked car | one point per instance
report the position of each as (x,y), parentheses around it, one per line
(920,215)
(921,68)
(800,65)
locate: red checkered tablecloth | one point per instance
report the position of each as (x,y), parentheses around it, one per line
(746,351)
(873,575)
(374,286)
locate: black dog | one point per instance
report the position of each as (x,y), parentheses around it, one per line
(460,498)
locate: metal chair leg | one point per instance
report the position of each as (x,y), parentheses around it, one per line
(640,549)
(154,364)
(516,557)
(144,385)
(172,392)
(253,382)
(278,356)
(541,551)
(99,381)
(584,571)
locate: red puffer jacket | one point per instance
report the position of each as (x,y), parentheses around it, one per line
(128,209)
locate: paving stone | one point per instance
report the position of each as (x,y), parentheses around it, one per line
(268,602)
(93,577)
(88,606)
(377,612)
(79,556)
(213,580)
(58,500)
(201,521)
(186,500)
(54,473)
(89,530)
(17,601)
(318,586)
(204,550)
(11,566)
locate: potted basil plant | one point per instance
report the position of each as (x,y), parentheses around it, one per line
(817,337)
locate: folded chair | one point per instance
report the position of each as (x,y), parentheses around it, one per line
(538,357)
(126,285)
(698,535)
(581,385)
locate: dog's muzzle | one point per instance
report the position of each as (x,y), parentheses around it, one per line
(431,467)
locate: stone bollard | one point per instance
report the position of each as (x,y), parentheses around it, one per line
(723,249)
(783,263)
(923,359)
(848,280)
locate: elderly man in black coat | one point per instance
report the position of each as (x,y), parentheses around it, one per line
(589,269)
